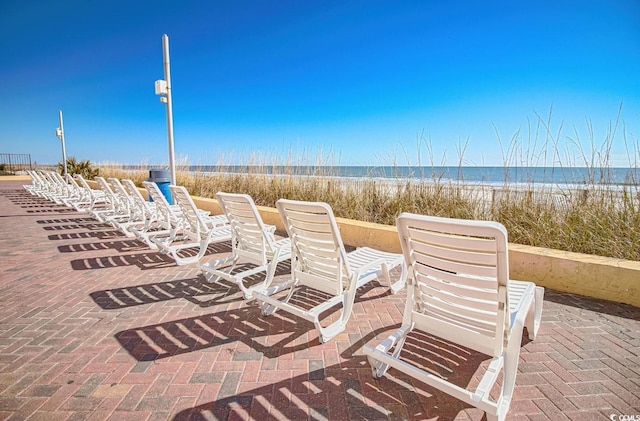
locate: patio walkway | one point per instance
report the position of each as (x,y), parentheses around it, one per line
(96,326)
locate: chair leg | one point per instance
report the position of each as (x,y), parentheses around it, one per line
(269,309)
(491,417)
(325,333)
(270,272)
(534,315)
(400,283)
(394,342)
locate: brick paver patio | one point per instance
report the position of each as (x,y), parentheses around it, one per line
(96,326)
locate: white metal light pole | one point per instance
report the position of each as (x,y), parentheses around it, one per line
(60,135)
(163,88)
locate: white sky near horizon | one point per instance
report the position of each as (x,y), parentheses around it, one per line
(340,82)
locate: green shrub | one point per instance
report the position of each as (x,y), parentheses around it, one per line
(84,168)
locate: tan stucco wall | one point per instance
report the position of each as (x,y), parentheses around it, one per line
(582,274)
(16,178)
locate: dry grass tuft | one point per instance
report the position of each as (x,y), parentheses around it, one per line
(594,218)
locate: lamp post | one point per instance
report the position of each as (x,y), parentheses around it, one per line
(163,88)
(60,135)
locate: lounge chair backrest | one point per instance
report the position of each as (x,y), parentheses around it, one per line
(163,209)
(72,182)
(52,183)
(134,194)
(82,182)
(459,270)
(248,232)
(125,199)
(73,185)
(40,176)
(192,217)
(103,185)
(59,179)
(35,179)
(60,184)
(318,254)
(87,188)
(110,195)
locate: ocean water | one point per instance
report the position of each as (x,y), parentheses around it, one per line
(479,175)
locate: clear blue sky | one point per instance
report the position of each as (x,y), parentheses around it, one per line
(357,82)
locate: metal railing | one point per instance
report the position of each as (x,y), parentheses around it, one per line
(12,163)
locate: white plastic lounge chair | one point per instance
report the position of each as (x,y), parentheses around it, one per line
(460,291)
(116,211)
(40,186)
(61,190)
(78,198)
(252,242)
(319,261)
(52,189)
(149,221)
(36,183)
(64,190)
(132,214)
(97,198)
(46,186)
(166,222)
(191,228)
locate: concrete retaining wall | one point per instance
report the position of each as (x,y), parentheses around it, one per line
(582,274)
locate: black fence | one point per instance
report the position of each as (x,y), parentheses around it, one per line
(12,163)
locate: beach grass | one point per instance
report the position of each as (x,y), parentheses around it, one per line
(594,218)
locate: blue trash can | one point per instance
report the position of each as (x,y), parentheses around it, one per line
(162,180)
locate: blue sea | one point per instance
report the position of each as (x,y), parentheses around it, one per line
(475,175)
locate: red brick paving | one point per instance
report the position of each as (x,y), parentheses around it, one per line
(96,326)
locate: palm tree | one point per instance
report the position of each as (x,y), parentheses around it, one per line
(84,168)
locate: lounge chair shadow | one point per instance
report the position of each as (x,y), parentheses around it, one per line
(212,248)
(196,290)
(149,260)
(18,195)
(325,393)
(307,298)
(26,204)
(67,221)
(338,391)
(101,235)
(48,209)
(39,203)
(93,226)
(597,306)
(245,324)
(457,364)
(127,245)
(42,206)
(144,261)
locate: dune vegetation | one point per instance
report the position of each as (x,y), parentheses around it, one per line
(594,218)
